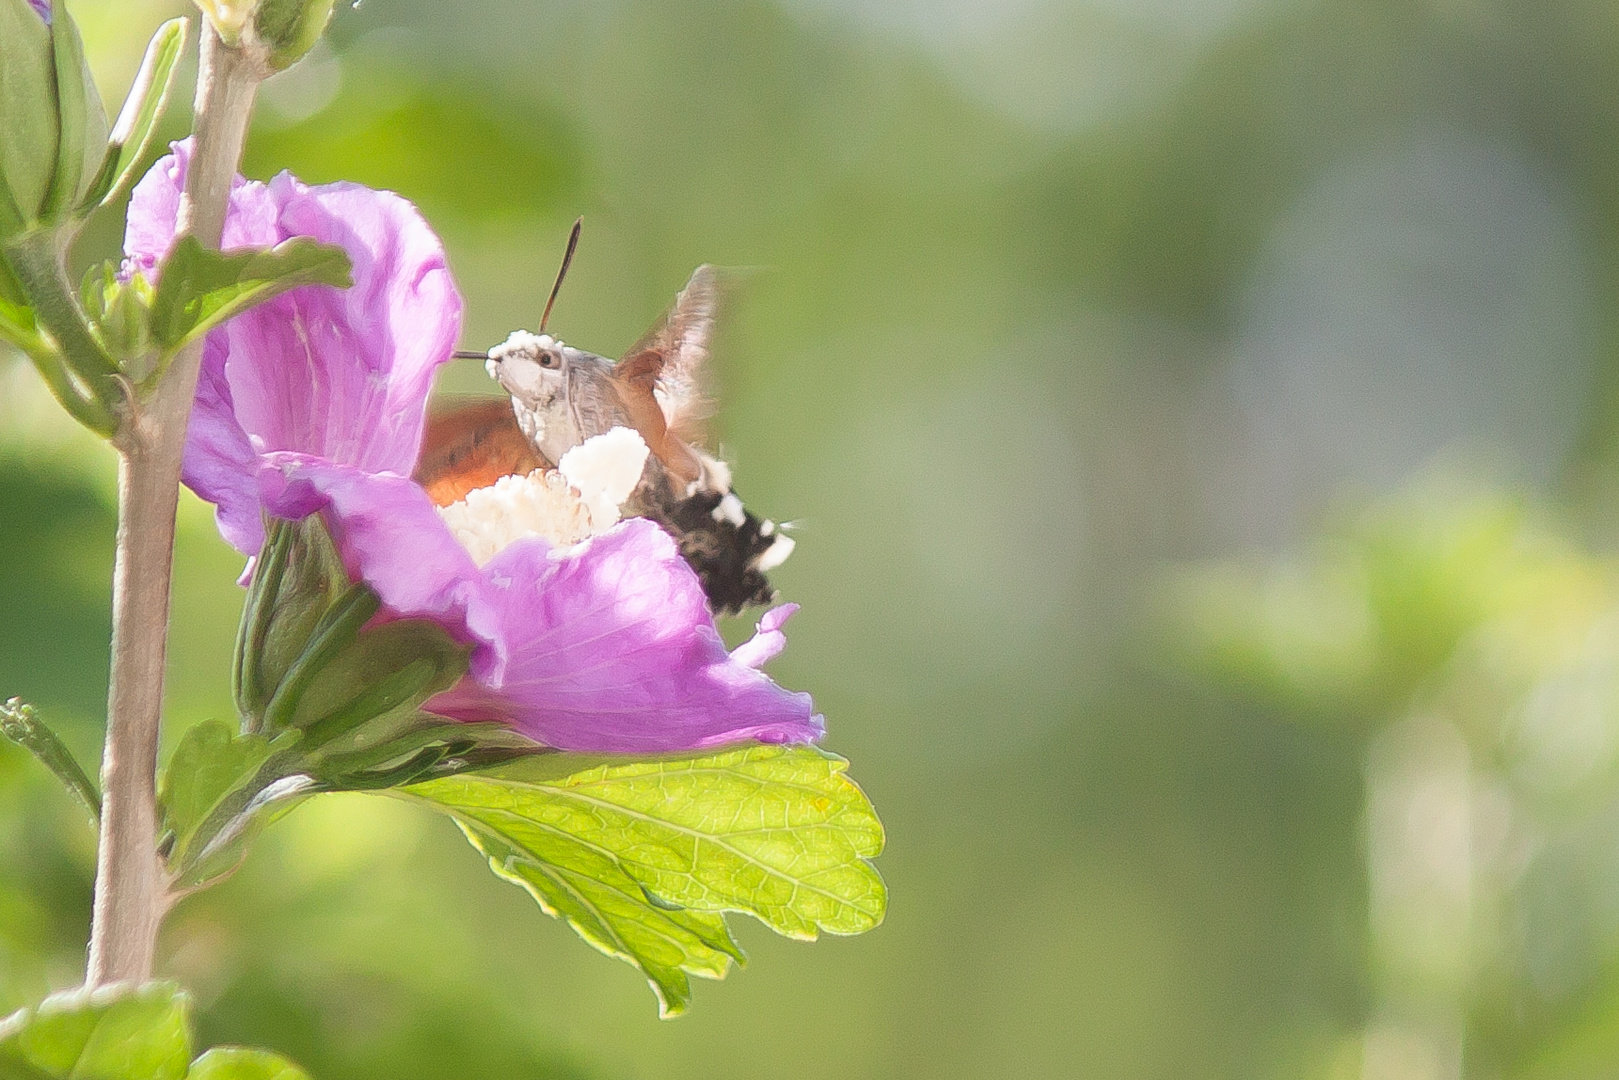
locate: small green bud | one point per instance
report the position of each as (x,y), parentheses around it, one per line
(53,129)
(305,659)
(290,28)
(125,328)
(28,116)
(120,312)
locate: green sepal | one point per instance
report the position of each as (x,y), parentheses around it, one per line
(137,121)
(290,28)
(82,121)
(11,290)
(303,662)
(200,289)
(298,577)
(117,1032)
(239,1063)
(376,682)
(626,851)
(457,746)
(337,628)
(11,223)
(28,117)
(19,723)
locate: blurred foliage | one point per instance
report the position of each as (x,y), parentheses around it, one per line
(1006,367)
(1477,650)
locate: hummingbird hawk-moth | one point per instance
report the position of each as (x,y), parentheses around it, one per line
(560,396)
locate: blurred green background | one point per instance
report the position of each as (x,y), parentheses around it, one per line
(1203,421)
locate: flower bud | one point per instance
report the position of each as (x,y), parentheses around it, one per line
(28,115)
(120,311)
(308,658)
(53,129)
(290,28)
(276,32)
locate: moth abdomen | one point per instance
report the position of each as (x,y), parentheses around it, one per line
(729,549)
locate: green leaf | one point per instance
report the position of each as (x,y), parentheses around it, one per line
(137,121)
(778,832)
(610,911)
(112,1033)
(209,788)
(82,130)
(200,289)
(19,724)
(17,324)
(237,1063)
(27,110)
(211,762)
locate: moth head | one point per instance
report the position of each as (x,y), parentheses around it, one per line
(533,369)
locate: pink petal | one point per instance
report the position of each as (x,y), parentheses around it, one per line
(341,373)
(607,647)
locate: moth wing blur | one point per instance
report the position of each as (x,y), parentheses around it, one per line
(660,381)
(682,338)
(470,444)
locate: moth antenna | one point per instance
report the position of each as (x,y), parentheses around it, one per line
(469,354)
(567,257)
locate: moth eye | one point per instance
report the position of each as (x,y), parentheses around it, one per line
(550,360)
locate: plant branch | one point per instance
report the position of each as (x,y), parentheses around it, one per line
(132,889)
(36,259)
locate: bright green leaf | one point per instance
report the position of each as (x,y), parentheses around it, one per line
(777,832)
(610,911)
(112,1033)
(237,1063)
(17,324)
(137,121)
(200,289)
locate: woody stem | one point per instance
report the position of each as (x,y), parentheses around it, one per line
(132,893)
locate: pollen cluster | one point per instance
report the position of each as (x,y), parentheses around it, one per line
(578,499)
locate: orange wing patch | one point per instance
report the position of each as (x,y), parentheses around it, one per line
(470,445)
(634,378)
